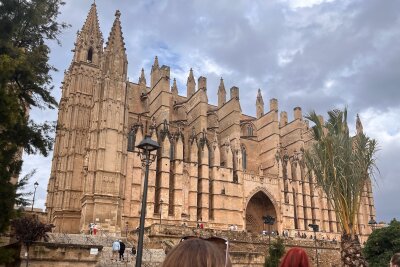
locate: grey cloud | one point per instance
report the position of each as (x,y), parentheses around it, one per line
(355,44)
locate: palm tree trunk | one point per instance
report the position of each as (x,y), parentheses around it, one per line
(351,252)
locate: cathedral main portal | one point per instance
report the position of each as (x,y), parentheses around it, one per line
(259,205)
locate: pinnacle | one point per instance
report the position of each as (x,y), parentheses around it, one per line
(259,96)
(221,85)
(155,64)
(191,77)
(174,88)
(91,25)
(116,40)
(142,78)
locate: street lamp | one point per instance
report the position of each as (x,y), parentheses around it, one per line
(36,184)
(126,229)
(161,202)
(147,145)
(269,220)
(315,228)
(372,223)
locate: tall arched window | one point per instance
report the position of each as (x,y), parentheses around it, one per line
(244,158)
(249,130)
(131,140)
(90,55)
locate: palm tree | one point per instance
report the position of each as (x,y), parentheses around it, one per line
(342,165)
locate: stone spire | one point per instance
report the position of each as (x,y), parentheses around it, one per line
(155,64)
(142,78)
(174,88)
(155,72)
(191,84)
(259,104)
(359,126)
(91,26)
(89,41)
(115,57)
(221,93)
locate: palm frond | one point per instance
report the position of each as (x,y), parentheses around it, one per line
(341,164)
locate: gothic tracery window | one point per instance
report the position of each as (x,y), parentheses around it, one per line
(249,130)
(131,140)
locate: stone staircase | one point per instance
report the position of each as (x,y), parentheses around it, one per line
(151,257)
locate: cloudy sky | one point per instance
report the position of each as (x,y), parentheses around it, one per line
(316,54)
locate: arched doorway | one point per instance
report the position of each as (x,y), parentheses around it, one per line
(258,206)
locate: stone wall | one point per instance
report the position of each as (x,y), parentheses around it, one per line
(44,254)
(245,249)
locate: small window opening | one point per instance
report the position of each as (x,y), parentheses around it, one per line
(249,130)
(244,158)
(90,55)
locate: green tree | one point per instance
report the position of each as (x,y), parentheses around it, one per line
(382,244)
(275,251)
(25,82)
(342,165)
(29,229)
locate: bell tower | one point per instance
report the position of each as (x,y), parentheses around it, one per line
(107,153)
(79,86)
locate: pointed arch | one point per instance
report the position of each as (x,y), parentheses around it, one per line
(248,129)
(260,203)
(89,57)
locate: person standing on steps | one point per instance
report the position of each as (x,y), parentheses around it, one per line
(121,250)
(115,250)
(94,229)
(91,228)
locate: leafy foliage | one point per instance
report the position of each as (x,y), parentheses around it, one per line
(382,244)
(24,83)
(341,165)
(29,229)
(276,251)
(10,196)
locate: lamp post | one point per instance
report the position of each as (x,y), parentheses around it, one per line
(372,223)
(315,228)
(161,202)
(269,220)
(146,146)
(36,184)
(126,229)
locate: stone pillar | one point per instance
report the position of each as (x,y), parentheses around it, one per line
(178,177)
(203,184)
(164,178)
(300,197)
(193,176)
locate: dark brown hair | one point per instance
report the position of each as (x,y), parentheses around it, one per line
(196,252)
(395,260)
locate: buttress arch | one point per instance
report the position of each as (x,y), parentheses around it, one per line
(260,203)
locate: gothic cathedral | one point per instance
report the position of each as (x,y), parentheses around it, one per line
(216,165)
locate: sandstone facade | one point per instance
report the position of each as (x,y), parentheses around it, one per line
(216,165)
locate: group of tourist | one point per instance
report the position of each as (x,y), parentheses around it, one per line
(118,248)
(92,229)
(198,252)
